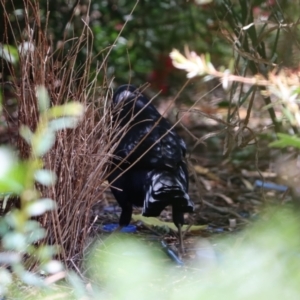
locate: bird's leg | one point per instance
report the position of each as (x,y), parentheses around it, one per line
(178,220)
(125,217)
(181,247)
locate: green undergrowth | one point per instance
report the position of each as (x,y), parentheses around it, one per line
(261,262)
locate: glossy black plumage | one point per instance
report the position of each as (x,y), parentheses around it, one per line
(158,175)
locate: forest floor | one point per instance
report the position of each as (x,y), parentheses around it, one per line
(226,188)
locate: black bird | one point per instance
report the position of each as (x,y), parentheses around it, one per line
(154,155)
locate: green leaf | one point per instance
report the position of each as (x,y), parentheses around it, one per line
(8,160)
(31,278)
(12,172)
(5,280)
(4,227)
(40,206)
(9,53)
(10,258)
(14,218)
(42,98)
(14,181)
(63,123)
(5,275)
(288,115)
(35,235)
(26,133)
(44,252)
(72,109)
(14,241)
(286,140)
(31,225)
(43,142)
(45,177)
(52,267)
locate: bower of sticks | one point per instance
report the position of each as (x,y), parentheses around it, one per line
(226,164)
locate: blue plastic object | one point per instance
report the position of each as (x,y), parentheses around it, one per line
(111,208)
(270,186)
(113,226)
(171,254)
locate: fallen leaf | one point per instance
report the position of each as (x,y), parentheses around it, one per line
(151,221)
(248,184)
(204,171)
(200,170)
(225,198)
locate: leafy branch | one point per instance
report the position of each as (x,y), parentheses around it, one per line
(284,85)
(21,235)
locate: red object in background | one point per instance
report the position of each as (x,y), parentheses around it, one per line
(262,11)
(119,26)
(160,76)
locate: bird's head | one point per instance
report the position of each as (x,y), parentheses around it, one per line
(125,92)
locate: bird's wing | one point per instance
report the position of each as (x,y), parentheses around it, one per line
(153,146)
(149,138)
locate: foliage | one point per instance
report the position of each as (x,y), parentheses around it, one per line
(21,235)
(132,40)
(137,51)
(9,53)
(283,85)
(261,263)
(285,141)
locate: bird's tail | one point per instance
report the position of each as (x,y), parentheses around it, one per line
(165,188)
